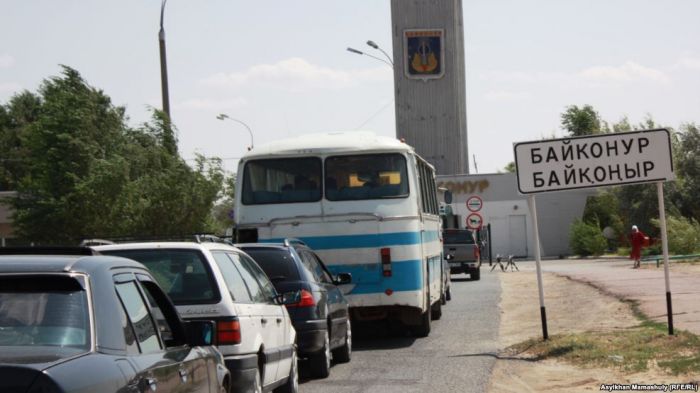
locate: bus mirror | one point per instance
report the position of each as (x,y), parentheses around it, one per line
(448,197)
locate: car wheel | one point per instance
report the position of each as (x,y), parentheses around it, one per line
(448,294)
(443,299)
(320,362)
(344,353)
(292,384)
(475,275)
(436,311)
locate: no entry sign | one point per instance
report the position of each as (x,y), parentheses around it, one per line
(594,161)
(474,203)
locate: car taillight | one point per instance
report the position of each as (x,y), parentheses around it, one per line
(307,300)
(228,332)
(386,261)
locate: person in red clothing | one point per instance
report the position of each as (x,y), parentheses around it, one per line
(637,241)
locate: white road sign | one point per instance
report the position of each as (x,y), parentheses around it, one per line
(593,161)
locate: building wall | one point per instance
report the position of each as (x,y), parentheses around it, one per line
(431,114)
(509,213)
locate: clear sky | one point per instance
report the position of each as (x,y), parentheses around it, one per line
(282,68)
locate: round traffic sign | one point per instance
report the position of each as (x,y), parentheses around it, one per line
(474,221)
(474,203)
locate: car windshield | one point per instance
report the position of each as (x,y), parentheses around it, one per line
(42,317)
(276,263)
(283,180)
(458,237)
(368,176)
(183,274)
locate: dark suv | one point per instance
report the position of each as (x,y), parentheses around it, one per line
(321,317)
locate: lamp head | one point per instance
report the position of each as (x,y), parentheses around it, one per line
(372,44)
(353,50)
(222,116)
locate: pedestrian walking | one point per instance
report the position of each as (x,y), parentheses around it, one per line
(637,240)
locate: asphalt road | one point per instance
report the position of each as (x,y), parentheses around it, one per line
(458,356)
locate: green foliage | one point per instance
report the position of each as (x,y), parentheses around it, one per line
(683,234)
(687,158)
(581,121)
(222,220)
(80,171)
(586,239)
(510,168)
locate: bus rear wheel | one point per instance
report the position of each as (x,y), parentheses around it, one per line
(423,329)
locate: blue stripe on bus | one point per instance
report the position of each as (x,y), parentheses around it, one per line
(405,276)
(363,241)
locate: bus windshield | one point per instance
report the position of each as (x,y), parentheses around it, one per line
(367,176)
(282,180)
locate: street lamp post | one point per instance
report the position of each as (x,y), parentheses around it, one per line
(359,52)
(163,65)
(375,46)
(224,116)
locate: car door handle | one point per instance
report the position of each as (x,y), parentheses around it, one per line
(183,375)
(149,384)
(263,320)
(279,320)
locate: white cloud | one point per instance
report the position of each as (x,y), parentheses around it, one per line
(502,95)
(628,72)
(689,62)
(297,73)
(6,61)
(211,104)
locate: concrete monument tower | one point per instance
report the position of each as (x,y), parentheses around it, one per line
(429,81)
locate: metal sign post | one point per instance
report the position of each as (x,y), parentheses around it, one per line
(664,247)
(535,230)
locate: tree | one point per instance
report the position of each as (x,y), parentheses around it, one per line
(85,173)
(510,168)
(21,111)
(586,239)
(687,158)
(581,121)
(603,210)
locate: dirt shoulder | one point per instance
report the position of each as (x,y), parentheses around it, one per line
(571,306)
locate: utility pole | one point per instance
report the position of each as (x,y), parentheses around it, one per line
(163,63)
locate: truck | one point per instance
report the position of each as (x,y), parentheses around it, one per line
(462,251)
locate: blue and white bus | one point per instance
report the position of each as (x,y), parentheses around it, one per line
(367,204)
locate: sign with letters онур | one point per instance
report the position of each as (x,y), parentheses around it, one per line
(594,161)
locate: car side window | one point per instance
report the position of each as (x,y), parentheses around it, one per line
(139,316)
(235,283)
(326,276)
(257,294)
(132,347)
(267,287)
(315,267)
(164,313)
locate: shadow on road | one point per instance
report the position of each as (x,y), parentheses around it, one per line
(496,356)
(374,335)
(461,279)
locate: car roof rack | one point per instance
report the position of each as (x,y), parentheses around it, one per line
(48,250)
(290,240)
(95,242)
(196,237)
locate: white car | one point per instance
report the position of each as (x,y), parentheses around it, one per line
(216,281)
